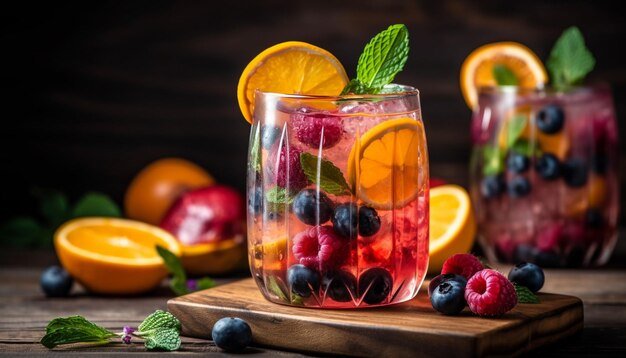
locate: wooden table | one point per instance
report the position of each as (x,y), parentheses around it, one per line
(24,312)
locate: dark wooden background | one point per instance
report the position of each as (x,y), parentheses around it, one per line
(95,90)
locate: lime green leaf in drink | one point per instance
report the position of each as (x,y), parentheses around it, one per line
(514,128)
(570,60)
(526,148)
(504,76)
(493,160)
(324,173)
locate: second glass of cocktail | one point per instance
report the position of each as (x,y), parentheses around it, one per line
(338,190)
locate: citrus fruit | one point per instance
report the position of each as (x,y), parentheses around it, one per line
(153,190)
(452,224)
(272,255)
(478,68)
(113,256)
(291,67)
(215,258)
(384,167)
(593,196)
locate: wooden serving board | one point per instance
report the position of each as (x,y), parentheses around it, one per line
(404,330)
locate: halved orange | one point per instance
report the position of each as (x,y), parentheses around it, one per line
(291,67)
(384,164)
(477,69)
(215,258)
(452,224)
(113,256)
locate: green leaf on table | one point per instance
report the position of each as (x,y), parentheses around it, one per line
(493,160)
(205,283)
(163,339)
(383,57)
(74,329)
(159,319)
(324,173)
(525,295)
(504,76)
(160,330)
(178,283)
(96,204)
(570,60)
(21,231)
(54,207)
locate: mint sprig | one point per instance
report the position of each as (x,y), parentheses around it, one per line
(160,330)
(570,60)
(179,283)
(382,59)
(504,76)
(324,173)
(525,295)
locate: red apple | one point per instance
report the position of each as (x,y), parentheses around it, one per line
(205,215)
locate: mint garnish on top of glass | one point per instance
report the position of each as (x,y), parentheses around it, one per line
(382,59)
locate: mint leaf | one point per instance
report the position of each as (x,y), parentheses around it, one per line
(325,174)
(570,60)
(54,207)
(178,283)
(493,160)
(159,319)
(96,204)
(278,195)
(504,76)
(275,288)
(163,339)
(205,283)
(74,329)
(161,330)
(383,57)
(255,150)
(524,147)
(514,128)
(524,295)
(21,231)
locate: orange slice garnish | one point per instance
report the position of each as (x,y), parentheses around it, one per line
(291,67)
(477,69)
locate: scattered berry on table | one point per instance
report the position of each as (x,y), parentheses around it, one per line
(345,220)
(519,187)
(231,334)
(575,172)
(527,274)
(489,293)
(56,282)
(269,134)
(320,248)
(465,265)
(312,207)
(518,163)
(303,280)
(550,119)
(317,129)
(285,168)
(339,285)
(375,285)
(492,186)
(439,279)
(548,166)
(369,221)
(448,297)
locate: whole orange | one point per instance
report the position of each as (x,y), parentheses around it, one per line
(154,189)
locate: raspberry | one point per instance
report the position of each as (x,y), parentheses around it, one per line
(320,248)
(465,265)
(311,129)
(286,168)
(490,293)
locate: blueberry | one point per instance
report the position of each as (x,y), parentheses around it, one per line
(449,297)
(369,222)
(439,279)
(527,274)
(56,282)
(518,163)
(345,220)
(231,334)
(303,280)
(550,119)
(269,134)
(255,201)
(548,166)
(339,285)
(594,218)
(575,172)
(375,284)
(492,186)
(312,207)
(519,187)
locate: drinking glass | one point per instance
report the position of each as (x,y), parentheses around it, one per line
(338,198)
(544,175)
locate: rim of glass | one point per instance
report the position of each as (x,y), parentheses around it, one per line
(405,91)
(543,90)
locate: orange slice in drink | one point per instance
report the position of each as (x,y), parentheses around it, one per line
(113,256)
(477,69)
(291,67)
(384,164)
(452,224)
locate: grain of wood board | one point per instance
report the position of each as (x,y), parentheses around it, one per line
(399,330)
